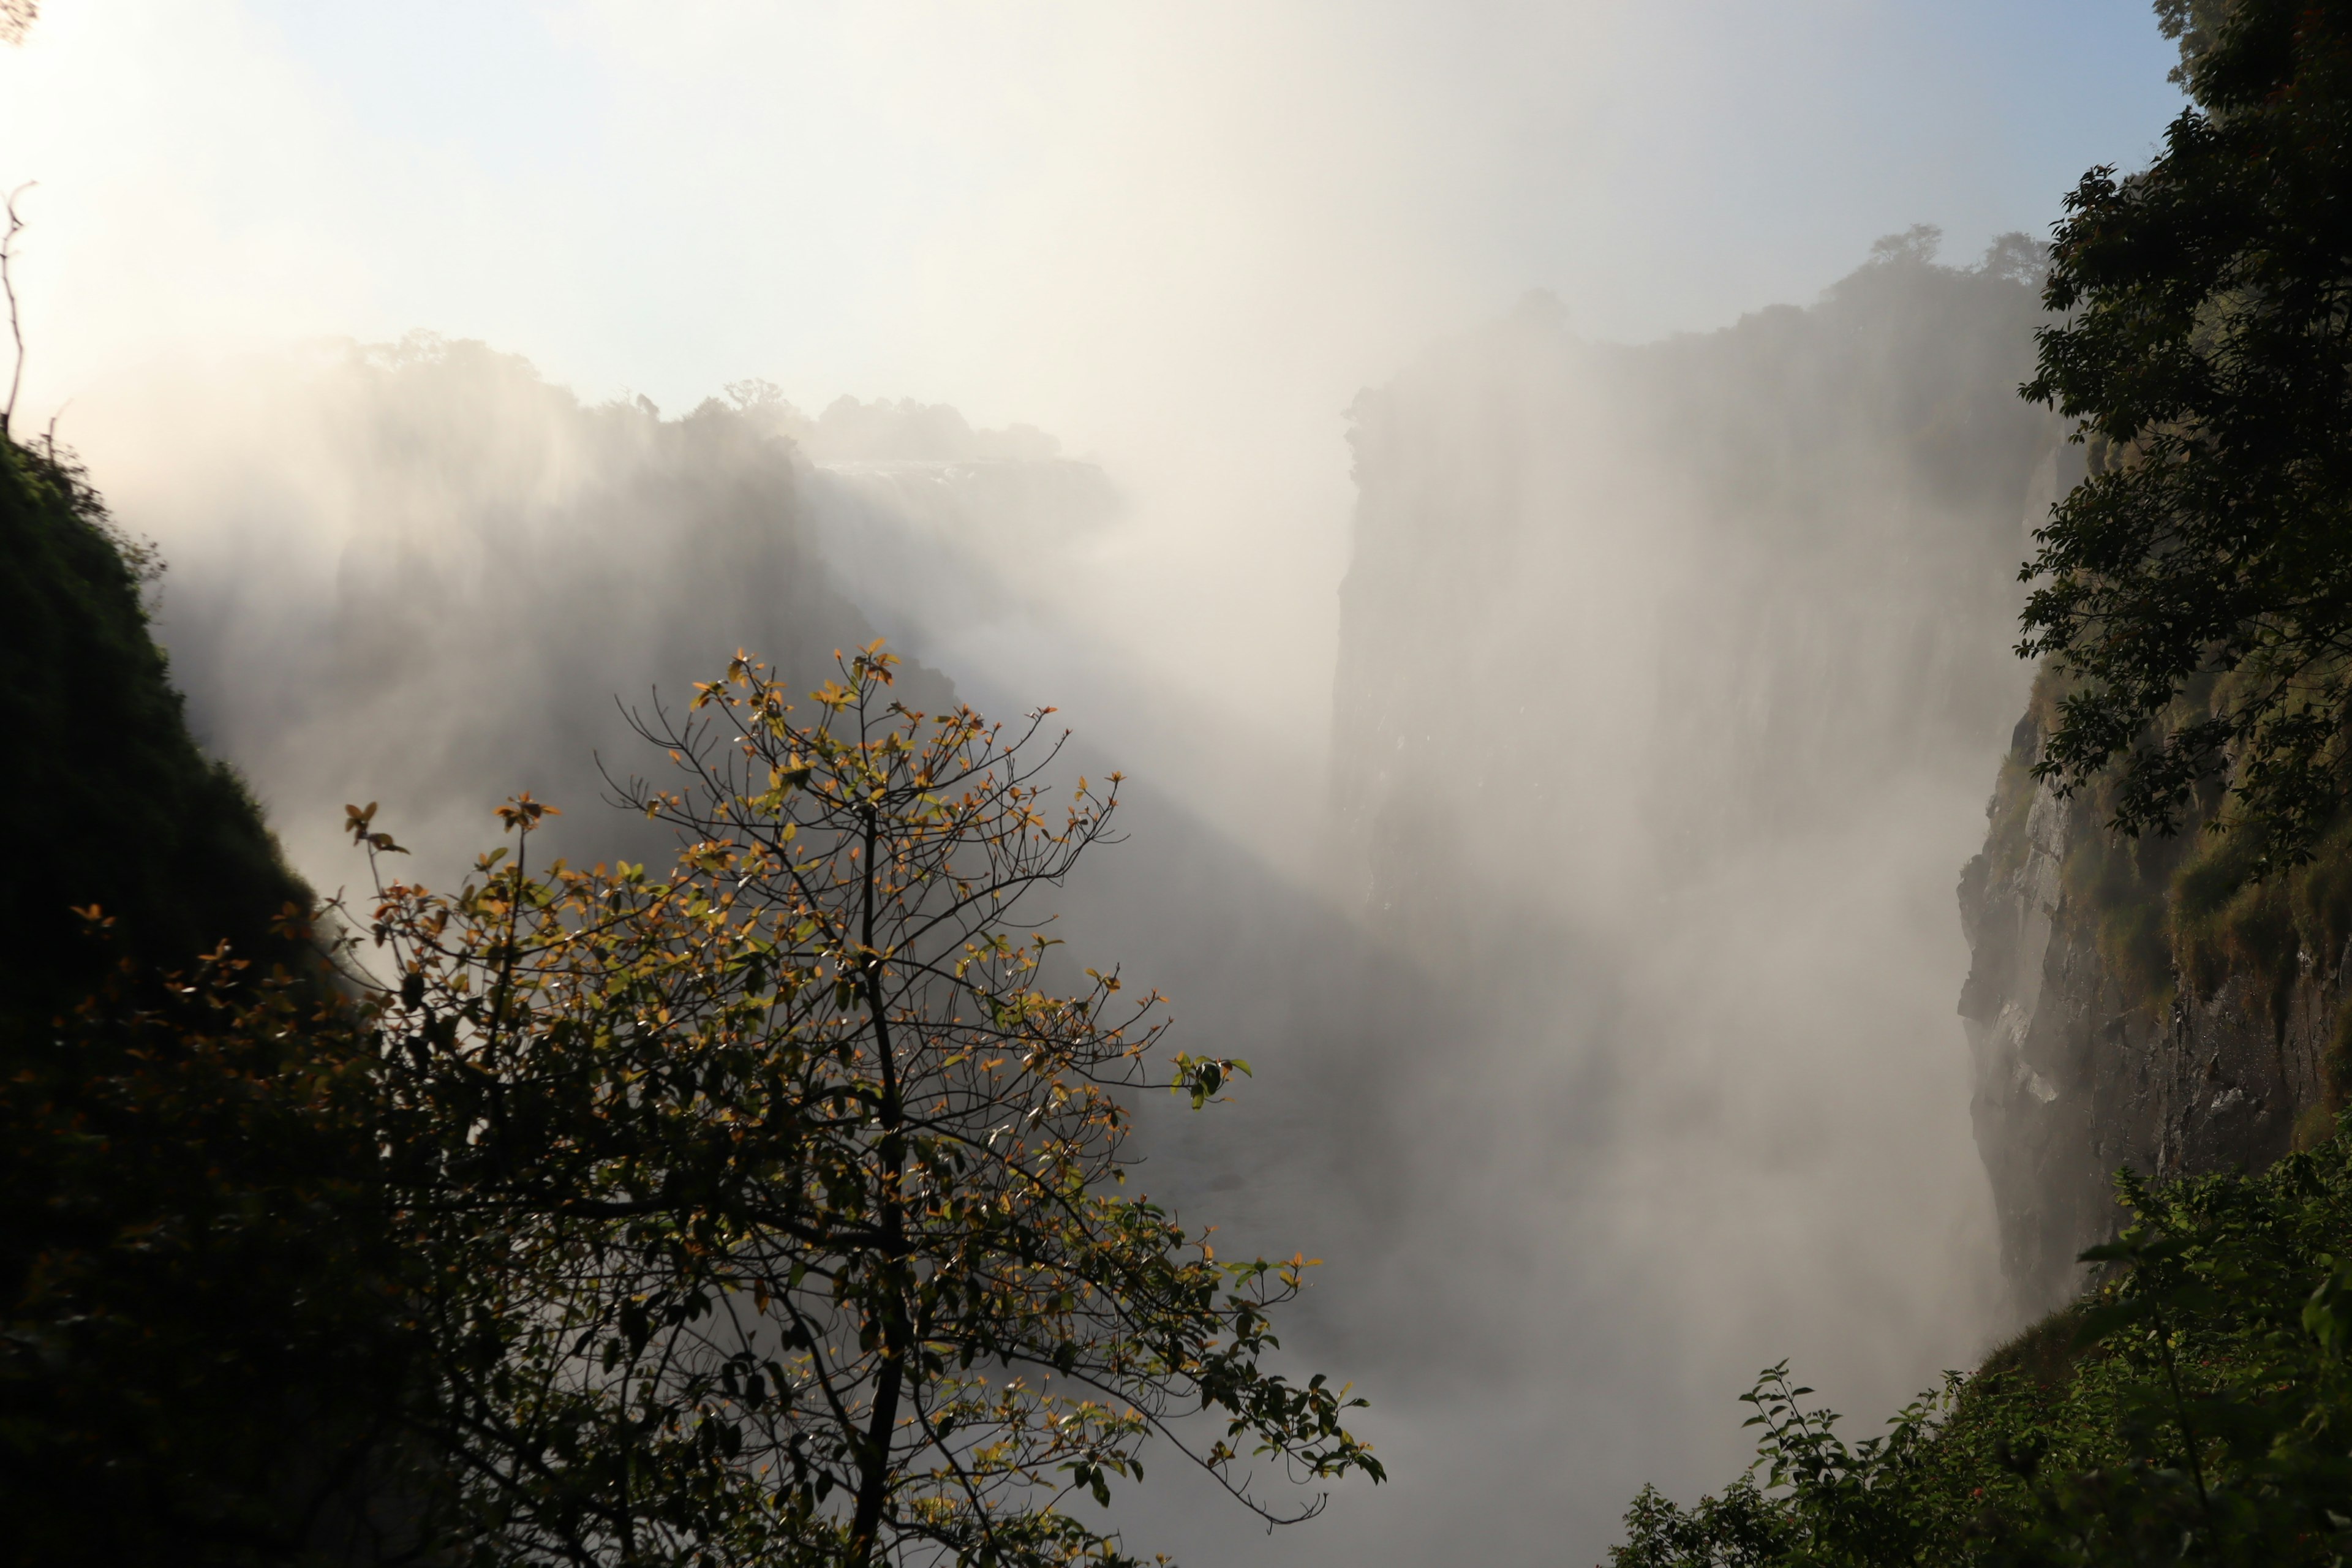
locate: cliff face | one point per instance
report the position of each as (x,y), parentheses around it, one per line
(2135,1004)
(1667,676)
(1691,598)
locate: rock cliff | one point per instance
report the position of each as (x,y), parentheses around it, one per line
(2135,1004)
(1668,678)
(1718,592)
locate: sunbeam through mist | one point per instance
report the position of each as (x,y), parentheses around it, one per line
(1555,726)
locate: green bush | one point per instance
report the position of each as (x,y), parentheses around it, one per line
(2195,1407)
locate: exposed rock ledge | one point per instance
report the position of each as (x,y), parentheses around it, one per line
(2082,1067)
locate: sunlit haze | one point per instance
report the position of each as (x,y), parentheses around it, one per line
(1180,237)
(1550,580)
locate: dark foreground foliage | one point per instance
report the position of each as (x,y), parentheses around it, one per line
(208,1354)
(2197,1408)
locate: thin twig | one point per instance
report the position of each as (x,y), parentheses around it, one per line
(8,286)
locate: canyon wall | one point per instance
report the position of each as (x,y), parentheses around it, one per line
(1688,597)
(2136,1003)
(1668,679)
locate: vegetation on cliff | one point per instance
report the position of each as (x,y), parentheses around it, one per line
(2197,1408)
(113,803)
(2177,915)
(191,1348)
(2192,605)
(196,1356)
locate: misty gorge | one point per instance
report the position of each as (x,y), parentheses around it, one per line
(457,595)
(1576,753)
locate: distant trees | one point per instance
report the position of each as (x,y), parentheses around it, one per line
(2199,584)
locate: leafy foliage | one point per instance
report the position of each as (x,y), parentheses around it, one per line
(771,1208)
(2193,23)
(1861,1504)
(2206,354)
(2196,1408)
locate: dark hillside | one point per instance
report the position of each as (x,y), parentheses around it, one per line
(107,797)
(197,1362)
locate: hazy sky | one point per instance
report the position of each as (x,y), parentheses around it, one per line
(1013,207)
(1181,236)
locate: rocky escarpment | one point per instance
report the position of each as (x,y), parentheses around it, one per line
(1667,679)
(2138,1005)
(1709,592)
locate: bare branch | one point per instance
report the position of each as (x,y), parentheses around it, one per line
(9,17)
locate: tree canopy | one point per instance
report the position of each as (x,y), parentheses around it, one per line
(2197,585)
(775,1207)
